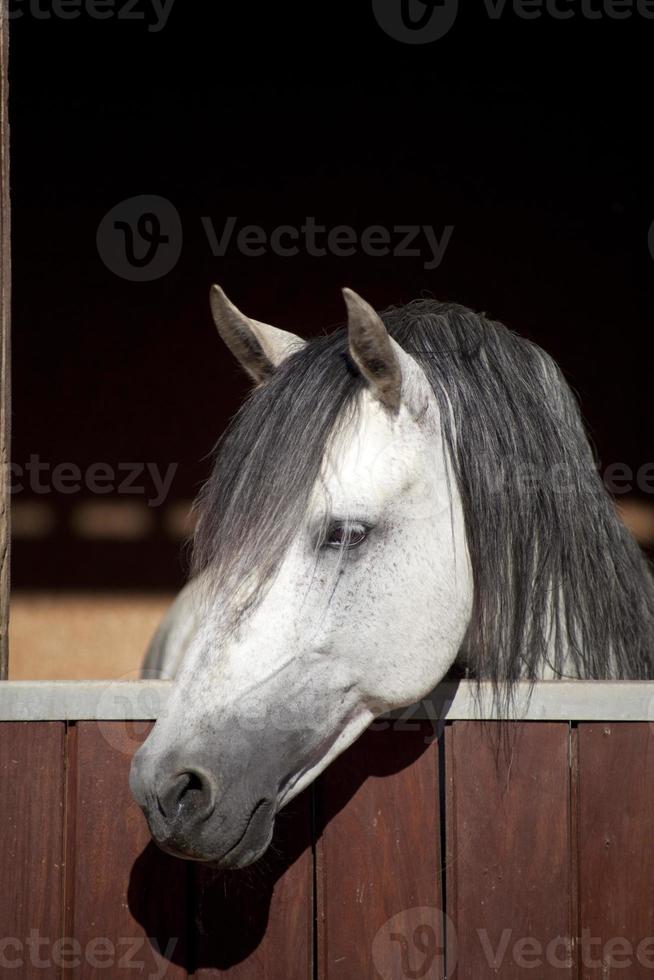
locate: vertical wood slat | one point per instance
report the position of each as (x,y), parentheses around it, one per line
(575,870)
(616,850)
(378,860)
(510,854)
(130,899)
(5,321)
(257,924)
(31,848)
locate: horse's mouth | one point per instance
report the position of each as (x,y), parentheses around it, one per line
(253,841)
(247,849)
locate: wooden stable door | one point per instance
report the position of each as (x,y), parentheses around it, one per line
(522,850)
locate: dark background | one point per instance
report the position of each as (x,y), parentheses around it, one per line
(530,137)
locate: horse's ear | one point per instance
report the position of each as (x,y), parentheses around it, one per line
(373,351)
(258,347)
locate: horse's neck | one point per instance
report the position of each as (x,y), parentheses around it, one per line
(170,643)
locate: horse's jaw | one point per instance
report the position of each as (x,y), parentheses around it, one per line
(333,746)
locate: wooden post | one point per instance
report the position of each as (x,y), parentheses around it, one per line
(5,365)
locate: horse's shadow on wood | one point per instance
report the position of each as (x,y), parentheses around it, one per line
(220,918)
(217,918)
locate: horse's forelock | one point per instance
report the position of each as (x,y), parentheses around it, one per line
(267,463)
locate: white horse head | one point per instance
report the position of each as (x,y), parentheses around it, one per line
(353,535)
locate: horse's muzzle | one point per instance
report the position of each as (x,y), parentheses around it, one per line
(187,820)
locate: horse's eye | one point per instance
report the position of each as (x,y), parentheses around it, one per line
(342,534)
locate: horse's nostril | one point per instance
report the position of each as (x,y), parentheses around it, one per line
(189,794)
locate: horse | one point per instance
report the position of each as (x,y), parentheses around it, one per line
(410,492)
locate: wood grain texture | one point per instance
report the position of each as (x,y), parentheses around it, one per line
(378,859)
(257,924)
(509,850)
(32,847)
(5,347)
(86,894)
(616,850)
(130,900)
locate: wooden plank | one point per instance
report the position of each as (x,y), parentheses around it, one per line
(5,347)
(130,899)
(616,850)
(378,859)
(575,926)
(83,700)
(508,877)
(31,856)
(145,700)
(257,924)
